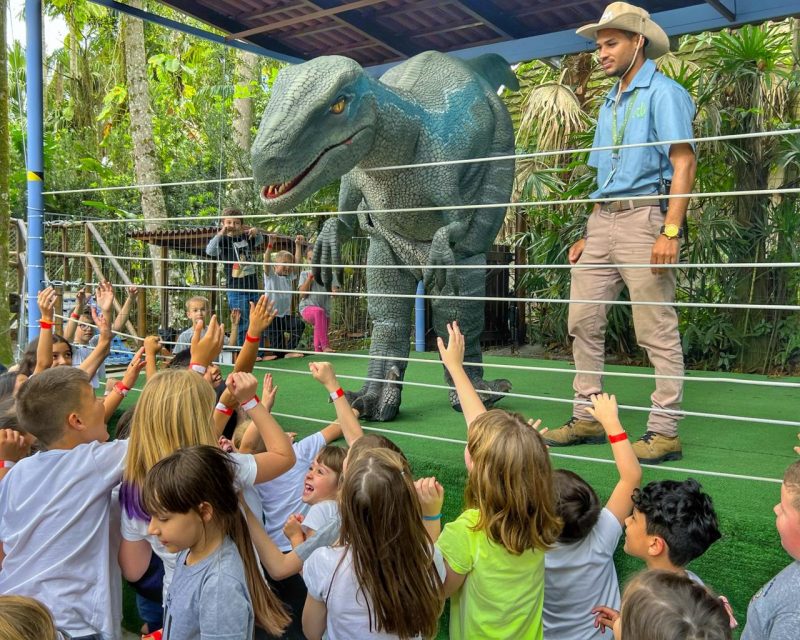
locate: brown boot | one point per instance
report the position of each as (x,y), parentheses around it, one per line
(576,431)
(654,448)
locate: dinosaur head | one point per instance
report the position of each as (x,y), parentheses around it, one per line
(320,121)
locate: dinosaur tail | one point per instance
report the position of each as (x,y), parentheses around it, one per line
(495,70)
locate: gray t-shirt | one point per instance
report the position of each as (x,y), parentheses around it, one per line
(184,340)
(314,299)
(325,536)
(278,289)
(580,576)
(774,612)
(82,351)
(209,600)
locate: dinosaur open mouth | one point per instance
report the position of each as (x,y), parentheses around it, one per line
(273,191)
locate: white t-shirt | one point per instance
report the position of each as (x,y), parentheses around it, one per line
(347,610)
(134,529)
(283,496)
(580,576)
(81,351)
(57,519)
(282,301)
(321,514)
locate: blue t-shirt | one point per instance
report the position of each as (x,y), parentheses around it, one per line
(658,108)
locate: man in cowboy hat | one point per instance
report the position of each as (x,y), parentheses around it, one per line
(643,106)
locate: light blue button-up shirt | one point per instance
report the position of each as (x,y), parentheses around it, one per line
(663,110)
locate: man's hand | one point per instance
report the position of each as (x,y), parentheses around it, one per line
(665,251)
(576,250)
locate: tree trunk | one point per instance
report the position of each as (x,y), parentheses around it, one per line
(6,353)
(248,70)
(144,148)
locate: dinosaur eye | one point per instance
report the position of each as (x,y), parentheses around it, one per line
(338,106)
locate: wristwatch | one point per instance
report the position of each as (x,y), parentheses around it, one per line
(671,231)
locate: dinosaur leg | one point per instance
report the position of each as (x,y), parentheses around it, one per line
(469,314)
(379,398)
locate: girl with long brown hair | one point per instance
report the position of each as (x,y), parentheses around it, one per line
(217,589)
(384,578)
(509,522)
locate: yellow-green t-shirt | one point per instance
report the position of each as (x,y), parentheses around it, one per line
(503,593)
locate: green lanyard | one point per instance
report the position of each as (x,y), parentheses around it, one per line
(617,136)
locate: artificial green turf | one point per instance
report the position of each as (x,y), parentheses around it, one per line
(749,552)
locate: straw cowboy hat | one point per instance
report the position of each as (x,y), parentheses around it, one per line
(626,17)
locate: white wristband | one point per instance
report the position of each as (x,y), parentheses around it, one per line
(7,464)
(198,367)
(335,395)
(251,404)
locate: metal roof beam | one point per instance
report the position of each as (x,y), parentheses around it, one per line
(723,9)
(492,17)
(277,50)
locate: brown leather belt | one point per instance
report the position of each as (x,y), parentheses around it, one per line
(614,206)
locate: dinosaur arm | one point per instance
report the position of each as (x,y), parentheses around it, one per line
(335,232)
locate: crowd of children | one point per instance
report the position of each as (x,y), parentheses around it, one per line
(228,527)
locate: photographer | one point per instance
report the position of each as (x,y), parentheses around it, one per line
(236,249)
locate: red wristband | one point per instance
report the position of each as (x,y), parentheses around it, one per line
(195,366)
(44,324)
(74,315)
(251,404)
(619,437)
(250,338)
(222,408)
(335,395)
(121,389)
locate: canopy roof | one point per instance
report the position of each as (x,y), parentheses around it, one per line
(379,33)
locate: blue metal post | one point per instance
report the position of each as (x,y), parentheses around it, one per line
(33,69)
(419,318)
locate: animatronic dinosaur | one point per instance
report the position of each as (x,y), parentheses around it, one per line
(327,118)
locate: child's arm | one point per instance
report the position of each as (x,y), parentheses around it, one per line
(152,347)
(46,299)
(279,565)
(298,252)
(12,448)
(134,558)
(124,312)
(630,472)
(348,423)
(251,440)
(113,400)
(431,498)
(236,315)
(315,618)
(93,361)
(604,618)
(268,255)
(72,324)
(452,580)
(221,416)
(305,286)
(262,313)
(293,530)
(453,359)
(279,457)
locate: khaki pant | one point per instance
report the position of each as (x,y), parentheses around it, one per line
(626,237)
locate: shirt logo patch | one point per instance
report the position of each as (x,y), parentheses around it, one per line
(640,111)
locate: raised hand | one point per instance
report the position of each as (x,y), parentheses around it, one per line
(46,301)
(242,385)
(13,446)
(204,350)
(453,354)
(293,528)
(152,345)
(323,373)
(135,367)
(268,392)
(262,313)
(605,411)
(431,496)
(104,296)
(236,315)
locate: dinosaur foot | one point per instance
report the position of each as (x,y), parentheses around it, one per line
(487,390)
(378,401)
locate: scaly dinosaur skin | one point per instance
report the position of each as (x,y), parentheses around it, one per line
(328,119)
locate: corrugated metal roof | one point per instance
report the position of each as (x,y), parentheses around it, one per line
(381,32)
